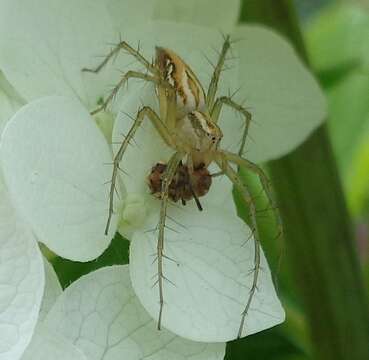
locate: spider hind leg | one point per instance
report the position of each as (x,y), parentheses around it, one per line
(235,179)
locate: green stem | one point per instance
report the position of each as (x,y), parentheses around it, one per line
(319,239)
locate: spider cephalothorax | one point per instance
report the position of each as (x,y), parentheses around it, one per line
(188,124)
(198,137)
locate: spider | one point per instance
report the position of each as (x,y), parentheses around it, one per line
(188,123)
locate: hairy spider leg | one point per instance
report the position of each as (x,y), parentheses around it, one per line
(265,183)
(213,86)
(235,179)
(216,110)
(167,179)
(163,86)
(163,132)
(123,46)
(215,105)
(223,159)
(128,75)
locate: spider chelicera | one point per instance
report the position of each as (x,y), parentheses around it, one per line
(187,123)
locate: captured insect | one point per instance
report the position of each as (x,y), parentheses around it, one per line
(188,124)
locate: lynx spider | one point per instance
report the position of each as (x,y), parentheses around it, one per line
(188,124)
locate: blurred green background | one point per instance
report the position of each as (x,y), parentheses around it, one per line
(336,45)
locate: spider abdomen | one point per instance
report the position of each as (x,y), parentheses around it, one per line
(189,93)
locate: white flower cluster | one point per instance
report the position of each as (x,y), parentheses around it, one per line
(54,172)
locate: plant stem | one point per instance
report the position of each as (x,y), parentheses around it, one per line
(319,239)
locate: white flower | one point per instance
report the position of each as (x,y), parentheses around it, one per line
(99,316)
(54,157)
(21,281)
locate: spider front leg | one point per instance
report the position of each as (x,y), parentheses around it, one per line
(215,112)
(235,179)
(213,87)
(163,132)
(131,51)
(166,181)
(128,75)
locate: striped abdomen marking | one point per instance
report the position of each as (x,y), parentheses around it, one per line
(190,94)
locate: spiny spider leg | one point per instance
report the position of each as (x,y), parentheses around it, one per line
(129,74)
(123,46)
(235,179)
(167,179)
(240,161)
(215,112)
(163,132)
(213,87)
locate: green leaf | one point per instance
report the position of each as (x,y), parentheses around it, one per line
(337,36)
(338,73)
(269,344)
(337,41)
(69,271)
(358,178)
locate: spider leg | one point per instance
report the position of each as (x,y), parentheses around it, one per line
(166,93)
(265,183)
(215,112)
(133,52)
(235,179)
(128,75)
(213,87)
(167,179)
(163,132)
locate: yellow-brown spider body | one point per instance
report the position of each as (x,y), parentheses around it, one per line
(196,134)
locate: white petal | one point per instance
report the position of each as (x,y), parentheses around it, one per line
(128,14)
(219,14)
(209,272)
(9,102)
(45,44)
(52,290)
(285,101)
(101,315)
(21,282)
(46,345)
(55,165)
